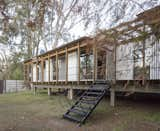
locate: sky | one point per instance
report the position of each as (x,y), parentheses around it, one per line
(79,30)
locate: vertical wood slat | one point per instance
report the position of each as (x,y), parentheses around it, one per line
(66,65)
(78,63)
(115,61)
(37,71)
(143,52)
(94,63)
(49,68)
(56,67)
(31,72)
(42,69)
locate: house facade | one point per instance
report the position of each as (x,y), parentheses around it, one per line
(127,55)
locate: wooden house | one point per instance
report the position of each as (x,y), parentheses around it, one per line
(72,66)
(127,55)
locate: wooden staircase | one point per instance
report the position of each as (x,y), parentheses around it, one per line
(82,108)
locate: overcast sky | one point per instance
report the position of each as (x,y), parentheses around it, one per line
(79,30)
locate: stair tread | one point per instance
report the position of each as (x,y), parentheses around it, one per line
(81,109)
(96,89)
(88,102)
(84,108)
(71,118)
(75,110)
(93,93)
(89,98)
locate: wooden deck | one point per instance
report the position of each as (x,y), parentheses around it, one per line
(81,87)
(133,89)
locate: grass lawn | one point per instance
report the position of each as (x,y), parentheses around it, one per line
(27,112)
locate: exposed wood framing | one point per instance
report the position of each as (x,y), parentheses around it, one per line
(144,68)
(69,50)
(66,65)
(115,48)
(78,63)
(57,70)
(42,70)
(37,71)
(94,63)
(31,72)
(49,68)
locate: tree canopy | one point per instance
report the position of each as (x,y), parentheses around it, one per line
(27,26)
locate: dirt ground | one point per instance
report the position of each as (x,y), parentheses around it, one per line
(26,112)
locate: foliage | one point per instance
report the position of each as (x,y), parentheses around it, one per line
(28,25)
(16,71)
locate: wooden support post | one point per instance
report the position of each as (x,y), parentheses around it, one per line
(57,67)
(37,71)
(66,65)
(143,52)
(42,70)
(112,98)
(94,63)
(78,64)
(115,55)
(48,68)
(49,91)
(28,72)
(70,94)
(32,72)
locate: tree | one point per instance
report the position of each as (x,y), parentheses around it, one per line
(27,25)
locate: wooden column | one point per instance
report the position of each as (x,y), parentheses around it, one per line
(48,68)
(143,52)
(94,63)
(32,72)
(66,65)
(42,69)
(56,67)
(78,64)
(115,55)
(28,72)
(37,71)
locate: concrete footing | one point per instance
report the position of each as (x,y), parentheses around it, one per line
(70,94)
(49,91)
(112,98)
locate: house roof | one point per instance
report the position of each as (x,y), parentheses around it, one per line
(155,10)
(72,43)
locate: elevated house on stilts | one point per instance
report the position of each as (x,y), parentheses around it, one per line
(128,56)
